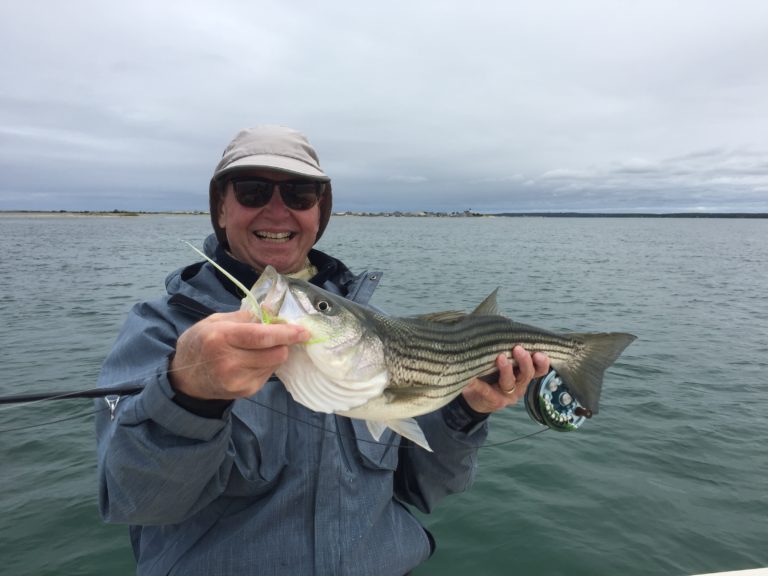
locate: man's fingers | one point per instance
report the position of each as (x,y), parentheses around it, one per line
(229,355)
(238,316)
(507,381)
(524,362)
(540,364)
(261,336)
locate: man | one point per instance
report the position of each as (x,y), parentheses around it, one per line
(214,466)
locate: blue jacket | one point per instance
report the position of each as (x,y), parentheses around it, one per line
(266,486)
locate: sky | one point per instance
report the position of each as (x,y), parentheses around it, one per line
(492,106)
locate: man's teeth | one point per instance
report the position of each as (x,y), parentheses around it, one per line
(275,236)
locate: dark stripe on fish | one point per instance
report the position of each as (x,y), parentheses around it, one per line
(437,359)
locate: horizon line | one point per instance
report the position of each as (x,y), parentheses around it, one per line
(427,213)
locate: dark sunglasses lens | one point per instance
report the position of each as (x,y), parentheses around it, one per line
(253,193)
(296,195)
(300,195)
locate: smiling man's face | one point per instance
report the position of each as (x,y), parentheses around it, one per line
(271,235)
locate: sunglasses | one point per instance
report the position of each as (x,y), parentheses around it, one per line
(296,194)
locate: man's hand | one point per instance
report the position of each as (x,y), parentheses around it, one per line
(514,377)
(227,356)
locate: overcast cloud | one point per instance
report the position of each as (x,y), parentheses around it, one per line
(436,105)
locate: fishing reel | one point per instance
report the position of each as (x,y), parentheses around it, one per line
(550,403)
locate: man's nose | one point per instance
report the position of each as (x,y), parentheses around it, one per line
(276,203)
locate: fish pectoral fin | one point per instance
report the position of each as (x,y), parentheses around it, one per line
(407,428)
(376,428)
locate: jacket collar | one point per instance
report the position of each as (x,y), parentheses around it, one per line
(202,283)
(329,269)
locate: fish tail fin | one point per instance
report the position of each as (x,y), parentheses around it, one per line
(584,373)
(407,428)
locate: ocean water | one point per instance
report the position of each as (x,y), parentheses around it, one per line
(670,478)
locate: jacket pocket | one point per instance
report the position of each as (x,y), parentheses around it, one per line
(259,438)
(374,454)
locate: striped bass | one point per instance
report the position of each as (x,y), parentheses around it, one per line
(385,370)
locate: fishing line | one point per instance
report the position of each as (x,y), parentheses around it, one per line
(514,439)
(320,426)
(129,390)
(47,423)
(387,444)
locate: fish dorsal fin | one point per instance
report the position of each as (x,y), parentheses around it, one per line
(447,317)
(488,307)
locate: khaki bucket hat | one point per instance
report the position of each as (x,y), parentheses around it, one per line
(271,148)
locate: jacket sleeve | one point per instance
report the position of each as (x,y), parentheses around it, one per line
(423,478)
(157,462)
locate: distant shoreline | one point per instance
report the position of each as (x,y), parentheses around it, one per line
(468,214)
(398,214)
(94,213)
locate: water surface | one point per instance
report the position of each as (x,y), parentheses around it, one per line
(669,478)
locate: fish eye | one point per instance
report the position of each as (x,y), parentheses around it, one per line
(324,306)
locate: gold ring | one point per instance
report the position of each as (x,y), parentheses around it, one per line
(511,390)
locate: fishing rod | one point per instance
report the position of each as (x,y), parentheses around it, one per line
(112,394)
(90,393)
(547,401)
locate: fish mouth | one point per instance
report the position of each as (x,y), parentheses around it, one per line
(270,291)
(274,237)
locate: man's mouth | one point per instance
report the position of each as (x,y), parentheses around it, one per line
(274,236)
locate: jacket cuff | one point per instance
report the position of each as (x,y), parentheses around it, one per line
(201,407)
(157,403)
(460,416)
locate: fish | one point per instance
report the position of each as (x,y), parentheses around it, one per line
(365,364)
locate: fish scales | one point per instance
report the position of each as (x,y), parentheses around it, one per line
(422,353)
